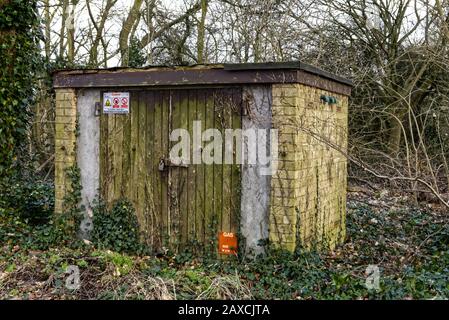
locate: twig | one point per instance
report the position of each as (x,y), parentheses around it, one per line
(42,166)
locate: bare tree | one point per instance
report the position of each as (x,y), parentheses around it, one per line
(99,29)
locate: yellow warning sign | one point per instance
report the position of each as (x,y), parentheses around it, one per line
(116,102)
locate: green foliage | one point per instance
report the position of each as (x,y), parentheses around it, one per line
(276,275)
(17,233)
(70,219)
(116,229)
(26,214)
(19,64)
(136,57)
(31,199)
(122,263)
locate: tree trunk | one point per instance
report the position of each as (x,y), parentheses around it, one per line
(65,5)
(126,29)
(201,32)
(394,139)
(47,29)
(70,24)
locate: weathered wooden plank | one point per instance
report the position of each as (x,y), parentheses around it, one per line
(236,167)
(162,122)
(141,150)
(200,181)
(174,174)
(226,101)
(112,165)
(157,152)
(209,123)
(183,114)
(154,148)
(134,140)
(191,171)
(118,156)
(104,157)
(126,156)
(218,168)
(149,159)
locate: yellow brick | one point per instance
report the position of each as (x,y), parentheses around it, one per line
(59,205)
(302,121)
(288,156)
(287,174)
(287,99)
(283,164)
(65,94)
(282,183)
(284,113)
(283,229)
(70,112)
(66,135)
(59,127)
(70,127)
(285,192)
(65,104)
(59,112)
(65,119)
(67,158)
(284,203)
(287,90)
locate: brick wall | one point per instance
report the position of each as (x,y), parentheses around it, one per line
(308,194)
(65,140)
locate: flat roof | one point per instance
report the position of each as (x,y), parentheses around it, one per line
(204,74)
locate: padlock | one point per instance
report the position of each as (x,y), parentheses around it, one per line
(161,165)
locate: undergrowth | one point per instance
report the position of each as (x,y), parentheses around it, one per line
(409,245)
(116,229)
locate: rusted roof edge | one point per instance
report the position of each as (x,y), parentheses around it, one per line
(153,68)
(287,65)
(201,75)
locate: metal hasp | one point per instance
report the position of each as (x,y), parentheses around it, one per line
(167,162)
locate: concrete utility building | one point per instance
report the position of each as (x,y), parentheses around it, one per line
(115,125)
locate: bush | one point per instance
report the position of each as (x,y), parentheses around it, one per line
(19,65)
(26,213)
(30,200)
(116,229)
(15,232)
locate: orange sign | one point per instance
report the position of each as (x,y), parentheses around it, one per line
(227,243)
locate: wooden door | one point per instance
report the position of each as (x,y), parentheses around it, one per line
(177,206)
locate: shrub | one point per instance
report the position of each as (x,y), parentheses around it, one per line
(19,65)
(31,200)
(116,229)
(26,213)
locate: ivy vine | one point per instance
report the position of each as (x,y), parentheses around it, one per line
(19,64)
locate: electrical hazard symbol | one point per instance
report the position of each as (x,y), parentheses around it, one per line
(116,102)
